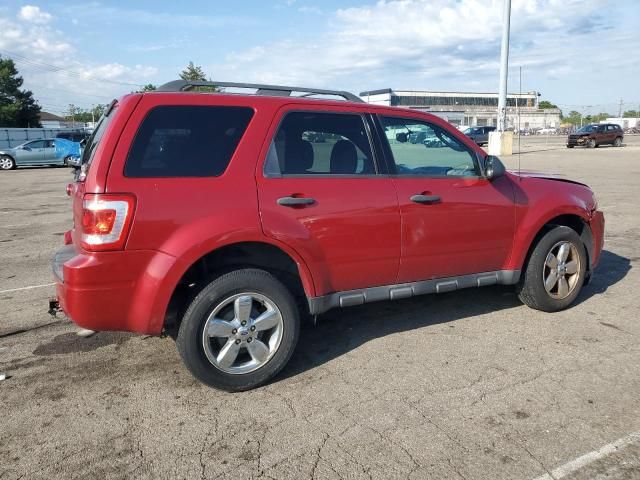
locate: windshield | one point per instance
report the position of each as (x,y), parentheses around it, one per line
(588,129)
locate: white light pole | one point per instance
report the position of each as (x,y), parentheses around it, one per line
(504,67)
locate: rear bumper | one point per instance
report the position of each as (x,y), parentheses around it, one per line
(123,290)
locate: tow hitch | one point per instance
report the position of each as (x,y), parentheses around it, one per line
(54,307)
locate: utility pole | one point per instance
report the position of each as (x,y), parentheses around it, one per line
(504,67)
(501,141)
(620,109)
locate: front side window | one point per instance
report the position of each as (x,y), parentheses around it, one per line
(186,141)
(440,154)
(36,144)
(318,143)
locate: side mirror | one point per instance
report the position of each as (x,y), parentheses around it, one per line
(493,167)
(28,149)
(402,137)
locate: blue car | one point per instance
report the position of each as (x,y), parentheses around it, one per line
(56,151)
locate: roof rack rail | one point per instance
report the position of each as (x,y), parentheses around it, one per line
(274,90)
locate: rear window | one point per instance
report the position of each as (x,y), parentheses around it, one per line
(186,141)
(94,139)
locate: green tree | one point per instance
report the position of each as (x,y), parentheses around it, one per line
(573,118)
(18,108)
(544,104)
(149,87)
(193,72)
(630,114)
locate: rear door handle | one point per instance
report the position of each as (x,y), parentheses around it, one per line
(425,199)
(295,201)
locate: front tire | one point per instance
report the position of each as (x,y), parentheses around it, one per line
(555,272)
(7,163)
(240,330)
(592,143)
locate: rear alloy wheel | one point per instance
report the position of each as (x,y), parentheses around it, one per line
(555,272)
(7,163)
(592,143)
(617,142)
(240,331)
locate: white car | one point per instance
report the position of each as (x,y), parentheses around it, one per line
(547,131)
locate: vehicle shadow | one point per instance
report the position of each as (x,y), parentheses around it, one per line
(611,269)
(342,330)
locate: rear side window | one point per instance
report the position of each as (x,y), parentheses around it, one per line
(186,141)
(319,143)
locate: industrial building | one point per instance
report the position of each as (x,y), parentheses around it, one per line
(469,108)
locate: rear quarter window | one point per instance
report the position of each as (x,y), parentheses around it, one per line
(186,141)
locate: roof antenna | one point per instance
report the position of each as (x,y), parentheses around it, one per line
(519,129)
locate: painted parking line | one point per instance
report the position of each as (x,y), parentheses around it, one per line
(588,458)
(30,287)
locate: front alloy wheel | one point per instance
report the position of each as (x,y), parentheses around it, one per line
(555,271)
(561,270)
(7,163)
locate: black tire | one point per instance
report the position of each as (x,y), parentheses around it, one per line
(569,146)
(617,142)
(189,341)
(7,163)
(65,162)
(531,289)
(592,143)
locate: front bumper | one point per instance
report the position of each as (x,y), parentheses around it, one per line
(597,231)
(121,290)
(574,142)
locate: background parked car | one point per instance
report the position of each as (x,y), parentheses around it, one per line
(57,151)
(594,135)
(78,136)
(480,135)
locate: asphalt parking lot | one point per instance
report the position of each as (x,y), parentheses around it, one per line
(463,385)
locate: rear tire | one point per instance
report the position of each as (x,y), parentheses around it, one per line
(569,146)
(228,354)
(552,279)
(617,142)
(7,163)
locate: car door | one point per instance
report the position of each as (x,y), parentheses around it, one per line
(49,153)
(454,221)
(611,133)
(321,192)
(31,153)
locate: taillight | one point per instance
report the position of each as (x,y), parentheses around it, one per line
(106,219)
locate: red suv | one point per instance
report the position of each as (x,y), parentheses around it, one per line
(222,218)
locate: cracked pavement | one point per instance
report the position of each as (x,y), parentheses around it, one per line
(464,385)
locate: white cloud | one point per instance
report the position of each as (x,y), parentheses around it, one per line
(416,43)
(33,14)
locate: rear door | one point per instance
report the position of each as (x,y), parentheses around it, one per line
(454,221)
(49,153)
(321,192)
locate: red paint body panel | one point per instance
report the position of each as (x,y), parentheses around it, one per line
(360,232)
(470,230)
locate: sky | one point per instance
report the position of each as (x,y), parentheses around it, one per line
(580,54)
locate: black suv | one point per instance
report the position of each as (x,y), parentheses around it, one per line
(480,135)
(593,135)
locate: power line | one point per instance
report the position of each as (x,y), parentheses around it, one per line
(65,71)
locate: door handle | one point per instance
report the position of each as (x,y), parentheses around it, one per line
(425,199)
(295,201)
